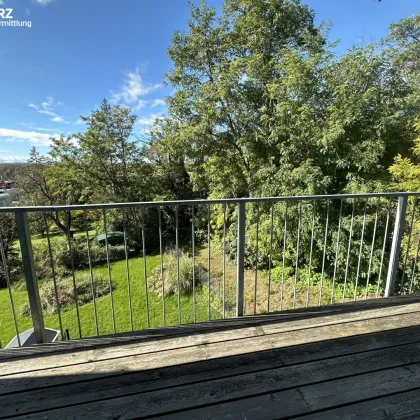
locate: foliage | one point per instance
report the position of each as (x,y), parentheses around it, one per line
(66,293)
(169,281)
(62,260)
(8,236)
(38,186)
(406,171)
(106,157)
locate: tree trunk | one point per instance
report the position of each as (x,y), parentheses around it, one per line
(63,227)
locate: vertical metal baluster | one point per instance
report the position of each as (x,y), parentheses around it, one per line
(397,236)
(57,300)
(72,273)
(360,251)
(161,266)
(193,258)
(383,246)
(146,288)
(408,245)
(9,288)
(208,256)
(337,248)
(270,261)
(177,264)
(325,252)
(310,254)
(348,251)
(284,256)
(108,262)
(297,255)
(224,260)
(240,259)
(92,285)
(127,270)
(415,265)
(372,248)
(256,260)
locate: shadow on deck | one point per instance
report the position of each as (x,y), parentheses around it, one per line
(354,360)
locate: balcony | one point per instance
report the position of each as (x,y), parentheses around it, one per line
(312,311)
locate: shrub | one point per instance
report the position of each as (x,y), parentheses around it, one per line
(65,292)
(9,236)
(61,256)
(170,276)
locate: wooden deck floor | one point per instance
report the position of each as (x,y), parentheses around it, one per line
(352,361)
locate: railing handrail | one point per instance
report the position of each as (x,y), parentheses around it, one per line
(205,201)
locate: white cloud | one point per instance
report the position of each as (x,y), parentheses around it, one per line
(141,103)
(158,102)
(37,139)
(48,107)
(132,90)
(12,159)
(145,123)
(43,2)
(34,127)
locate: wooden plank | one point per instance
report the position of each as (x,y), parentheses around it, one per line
(296,402)
(87,390)
(68,359)
(283,392)
(405,405)
(173,357)
(210,326)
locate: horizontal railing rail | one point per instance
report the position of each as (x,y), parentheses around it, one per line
(207,202)
(186,261)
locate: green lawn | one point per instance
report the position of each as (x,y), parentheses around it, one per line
(121,305)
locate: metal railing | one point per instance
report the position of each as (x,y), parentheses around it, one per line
(292,252)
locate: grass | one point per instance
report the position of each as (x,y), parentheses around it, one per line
(121,305)
(265,299)
(261,300)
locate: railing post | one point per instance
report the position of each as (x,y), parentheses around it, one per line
(240,257)
(396,245)
(30,275)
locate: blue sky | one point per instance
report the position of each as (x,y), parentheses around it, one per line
(78,52)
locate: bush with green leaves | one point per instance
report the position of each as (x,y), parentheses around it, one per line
(170,276)
(8,236)
(61,256)
(66,293)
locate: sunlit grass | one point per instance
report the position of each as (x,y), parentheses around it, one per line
(121,305)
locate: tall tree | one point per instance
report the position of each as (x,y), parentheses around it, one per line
(106,157)
(40,184)
(222,72)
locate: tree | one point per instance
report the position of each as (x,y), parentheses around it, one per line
(41,184)
(222,72)
(106,157)
(8,236)
(109,166)
(166,152)
(405,171)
